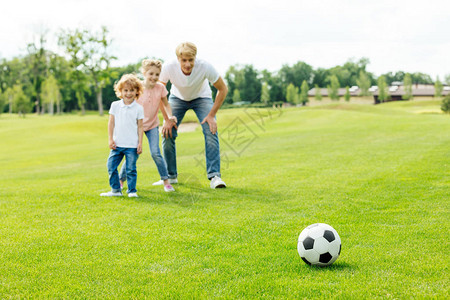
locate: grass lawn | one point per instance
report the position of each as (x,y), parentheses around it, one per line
(380,175)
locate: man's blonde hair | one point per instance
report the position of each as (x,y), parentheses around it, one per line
(148,63)
(186,48)
(132,81)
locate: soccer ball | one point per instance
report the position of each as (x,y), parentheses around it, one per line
(319,244)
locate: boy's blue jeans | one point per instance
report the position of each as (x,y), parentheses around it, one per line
(201,107)
(114,159)
(153,142)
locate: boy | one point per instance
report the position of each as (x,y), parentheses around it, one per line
(125,132)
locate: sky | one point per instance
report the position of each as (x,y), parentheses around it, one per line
(406,35)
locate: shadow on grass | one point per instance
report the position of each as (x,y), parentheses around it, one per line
(190,191)
(337,266)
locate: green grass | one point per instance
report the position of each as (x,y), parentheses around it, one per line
(378,174)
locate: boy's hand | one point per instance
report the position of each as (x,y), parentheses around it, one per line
(139,149)
(112,145)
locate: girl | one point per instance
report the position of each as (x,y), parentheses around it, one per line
(154,97)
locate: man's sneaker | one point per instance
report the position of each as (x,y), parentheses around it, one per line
(171,181)
(111,194)
(217,183)
(134,195)
(169,188)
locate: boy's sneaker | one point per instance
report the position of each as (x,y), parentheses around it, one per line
(133,195)
(169,188)
(217,183)
(161,182)
(111,194)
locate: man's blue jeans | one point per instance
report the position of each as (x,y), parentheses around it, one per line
(153,142)
(201,107)
(114,159)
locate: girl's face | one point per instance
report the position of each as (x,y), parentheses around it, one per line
(128,93)
(187,63)
(152,75)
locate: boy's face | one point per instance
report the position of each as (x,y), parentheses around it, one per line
(128,93)
(187,63)
(152,75)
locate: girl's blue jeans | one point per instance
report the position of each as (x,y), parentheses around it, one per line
(201,107)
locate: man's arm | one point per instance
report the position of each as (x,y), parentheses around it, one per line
(222,91)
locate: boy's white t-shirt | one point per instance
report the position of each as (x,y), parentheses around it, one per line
(125,123)
(189,87)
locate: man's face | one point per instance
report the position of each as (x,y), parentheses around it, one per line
(187,63)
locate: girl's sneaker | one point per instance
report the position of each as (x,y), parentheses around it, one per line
(134,195)
(169,188)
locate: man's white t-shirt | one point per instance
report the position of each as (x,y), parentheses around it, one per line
(125,123)
(189,87)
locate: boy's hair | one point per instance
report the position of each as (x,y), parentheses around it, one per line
(148,63)
(186,48)
(131,80)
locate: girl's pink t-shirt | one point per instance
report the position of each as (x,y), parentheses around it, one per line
(150,100)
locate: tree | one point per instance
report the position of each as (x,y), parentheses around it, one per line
(37,64)
(275,85)
(447,79)
(333,88)
(304,92)
(234,78)
(317,93)
(236,96)
(390,77)
(50,94)
(383,93)
(251,88)
(60,69)
(2,102)
(9,98)
(445,105)
(98,62)
(407,85)
(265,93)
(363,83)
(21,103)
(295,75)
(438,87)
(347,94)
(74,43)
(292,93)
(422,78)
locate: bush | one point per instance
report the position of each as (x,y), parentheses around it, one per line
(445,106)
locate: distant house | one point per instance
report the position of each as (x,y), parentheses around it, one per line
(396,91)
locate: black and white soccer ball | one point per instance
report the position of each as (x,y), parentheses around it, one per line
(319,244)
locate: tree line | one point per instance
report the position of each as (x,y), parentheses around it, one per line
(82,78)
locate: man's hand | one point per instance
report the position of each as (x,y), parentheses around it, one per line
(211,122)
(167,126)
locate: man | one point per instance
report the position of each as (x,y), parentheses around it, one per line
(190,90)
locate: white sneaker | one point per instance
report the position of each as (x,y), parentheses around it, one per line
(217,183)
(111,194)
(134,195)
(161,182)
(169,188)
